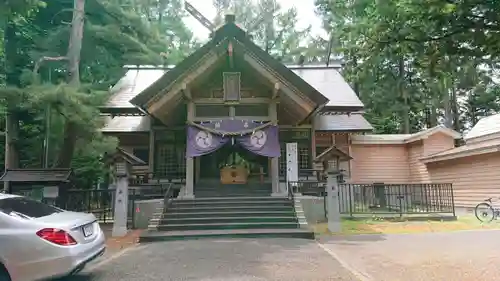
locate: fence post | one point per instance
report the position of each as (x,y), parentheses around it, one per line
(351,200)
(400,199)
(132,208)
(452,200)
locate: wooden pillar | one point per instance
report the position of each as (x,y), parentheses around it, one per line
(275,173)
(313,143)
(313,147)
(189,188)
(197,163)
(152,150)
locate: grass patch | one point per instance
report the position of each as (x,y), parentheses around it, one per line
(395,226)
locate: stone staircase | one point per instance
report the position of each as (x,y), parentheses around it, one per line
(227,211)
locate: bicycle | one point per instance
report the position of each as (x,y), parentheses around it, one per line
(486,212)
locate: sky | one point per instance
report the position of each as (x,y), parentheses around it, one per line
(305,9)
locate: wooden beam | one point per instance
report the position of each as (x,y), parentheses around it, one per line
(276,90)
(255,118)
(221,101)
(187,91)
(157,103)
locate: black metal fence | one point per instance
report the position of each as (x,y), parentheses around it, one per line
(402,199)
(386,199)
(100,202)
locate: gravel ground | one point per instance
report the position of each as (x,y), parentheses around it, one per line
(464,256)
(210,260)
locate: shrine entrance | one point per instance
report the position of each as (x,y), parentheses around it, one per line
(233,155)
(232,150)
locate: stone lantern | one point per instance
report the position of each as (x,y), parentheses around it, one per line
(330,159)
(121,163)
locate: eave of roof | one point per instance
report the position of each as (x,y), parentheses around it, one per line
(404,138)
(36,175)
(342,122)
(486,126)
(461,152)
(331,153)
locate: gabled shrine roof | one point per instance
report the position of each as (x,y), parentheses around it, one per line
(232,32)
(325,79)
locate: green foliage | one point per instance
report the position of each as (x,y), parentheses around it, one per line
(418,63)
(116,33)
(272,28)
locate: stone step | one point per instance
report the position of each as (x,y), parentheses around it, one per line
(218,183)
(217,214)
(227,209)
(216,220)
(239,191)
(263,199)
(159,236)
(233,186)
(222,203)
(229,194)
(213,226)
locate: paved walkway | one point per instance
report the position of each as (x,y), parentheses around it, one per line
(464,256)
(221,260)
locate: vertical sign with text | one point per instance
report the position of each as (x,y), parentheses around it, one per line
(292,166)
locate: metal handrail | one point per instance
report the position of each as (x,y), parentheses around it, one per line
(166,198)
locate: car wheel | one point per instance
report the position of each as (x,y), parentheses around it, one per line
(4,275)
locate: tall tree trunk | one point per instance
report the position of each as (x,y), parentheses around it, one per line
(434,92)
(445,89)
(454,108)
(404,94)
(73,56)
(12,116)
(356,80)
(448,113)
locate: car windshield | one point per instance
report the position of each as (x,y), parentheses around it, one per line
(26,208)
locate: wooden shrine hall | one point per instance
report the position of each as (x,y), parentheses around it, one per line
(225,113)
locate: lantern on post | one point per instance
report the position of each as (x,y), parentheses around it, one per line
(121,162)
(330,159)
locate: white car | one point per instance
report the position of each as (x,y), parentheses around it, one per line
(39,241)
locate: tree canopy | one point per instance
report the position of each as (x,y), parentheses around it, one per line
(414,63)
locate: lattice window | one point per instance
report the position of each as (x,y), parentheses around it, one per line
(181,162)
(304,161)
(171,161)
(282,160)
(304,157)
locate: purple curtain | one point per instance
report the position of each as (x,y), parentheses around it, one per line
(200,142)
(262,142)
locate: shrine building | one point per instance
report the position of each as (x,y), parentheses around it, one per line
(226,112)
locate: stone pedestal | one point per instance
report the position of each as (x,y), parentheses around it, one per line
(333,202)
(121,207)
